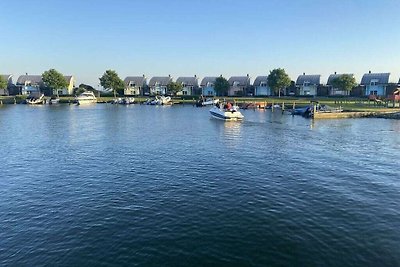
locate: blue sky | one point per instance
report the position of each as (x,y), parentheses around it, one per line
(203,37)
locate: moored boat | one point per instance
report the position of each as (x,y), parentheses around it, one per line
(86,98)
(36,101)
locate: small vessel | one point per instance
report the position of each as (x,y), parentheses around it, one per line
(36,101)
(53,100)
(226,113)
(160,100)
(86,98)
(124,101)
(207,102)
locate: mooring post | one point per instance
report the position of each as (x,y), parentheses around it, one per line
(272,107)
(283,107)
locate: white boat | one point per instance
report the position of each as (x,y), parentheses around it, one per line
(53,101)
(207,102)
(231,114)
(36,101)
(160,100)
(86,98)
(124,100)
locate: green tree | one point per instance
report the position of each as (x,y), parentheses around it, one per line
(111,81)
(174,87)
(221,86)
(278,80)
(345,82)
(54,80)
(3,83)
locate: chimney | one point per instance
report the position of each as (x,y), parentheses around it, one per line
(304,73)
(369,71)
(169,75)
(335,72)
(220,75)
(195,76)
(247,75)
(144,75)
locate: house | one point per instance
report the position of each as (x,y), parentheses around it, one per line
(238,85)
(30,84)
(261,87)
(207,86)
(375,83)
(69,90)
(134,85)
(333,91)
(189,85)
(33,84)
(308,84)
(8,78)
(158,85)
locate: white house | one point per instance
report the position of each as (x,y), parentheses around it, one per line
(308,84)
(134,85)
(189,85)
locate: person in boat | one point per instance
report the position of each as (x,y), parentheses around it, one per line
(217,105)
(228,106)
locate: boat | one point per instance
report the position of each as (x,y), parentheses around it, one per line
(206,102)
(226,113)
(36,101)
(53,101)
(124,100)
(86,98)
(160,100)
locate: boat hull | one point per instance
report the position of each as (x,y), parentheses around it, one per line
(230,115)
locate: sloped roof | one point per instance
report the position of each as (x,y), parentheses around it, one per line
(37,79)
(260,79)
(242,80)
(138,80)
(190,81)
(207,80)
(334,76)
(383,78)
(311,79)
(163,81)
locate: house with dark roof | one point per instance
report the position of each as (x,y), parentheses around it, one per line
(375,83)
(207,86)
(8,78)
(189,85)
(261,87)
(135,85)
(159,85)
(238,85)
(30,84)
(33,84)
(333,90)
(308,84)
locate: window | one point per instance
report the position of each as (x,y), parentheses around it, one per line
(306,84)
(374,82)
(373,92)
(263,84)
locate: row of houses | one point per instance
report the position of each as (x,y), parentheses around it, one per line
(31,84)
(306,85)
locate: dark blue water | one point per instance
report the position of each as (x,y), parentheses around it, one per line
(168,186)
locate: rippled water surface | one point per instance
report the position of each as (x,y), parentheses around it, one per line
(168,186)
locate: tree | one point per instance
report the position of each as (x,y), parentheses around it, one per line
(3,83)
(345,82)
(278,80)
(221,86)
(54,80)
(174,87)
(111,81)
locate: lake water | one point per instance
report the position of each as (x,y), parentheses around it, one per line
(108,185)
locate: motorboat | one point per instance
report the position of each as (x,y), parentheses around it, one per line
(124,100)
(226,114)
(86,98)
(207,102)
(160,100)
(36,101)
(53,101)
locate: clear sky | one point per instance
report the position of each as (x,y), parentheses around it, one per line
(204,37)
